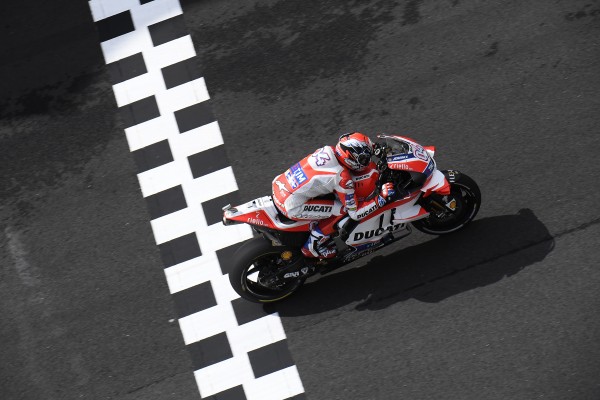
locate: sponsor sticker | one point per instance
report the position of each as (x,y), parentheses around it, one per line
(256,221)
(452,176)
(358,254)
(400,157)
(362,177)
(367,212)
(295,176)
(376,232)
(317,208)
(350,202)
(399,166)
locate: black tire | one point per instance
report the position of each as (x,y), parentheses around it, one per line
(258,256)
(468,198)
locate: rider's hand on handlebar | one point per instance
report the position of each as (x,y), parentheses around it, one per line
(386,194)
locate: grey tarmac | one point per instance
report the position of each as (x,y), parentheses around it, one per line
(506,90)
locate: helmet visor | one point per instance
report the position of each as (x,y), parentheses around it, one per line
(358,150)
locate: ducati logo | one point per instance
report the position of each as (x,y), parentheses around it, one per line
(376,232)
(317,208)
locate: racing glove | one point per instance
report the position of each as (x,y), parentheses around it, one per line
(386,194)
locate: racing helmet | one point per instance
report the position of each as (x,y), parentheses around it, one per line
(354,151)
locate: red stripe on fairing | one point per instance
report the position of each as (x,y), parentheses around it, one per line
(252,218)
(443,190)
(430,148)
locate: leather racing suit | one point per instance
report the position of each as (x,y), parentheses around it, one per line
(318,174)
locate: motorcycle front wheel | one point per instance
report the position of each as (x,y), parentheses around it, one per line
(256,271)
(465,197)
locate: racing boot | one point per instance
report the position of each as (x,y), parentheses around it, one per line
(318,244)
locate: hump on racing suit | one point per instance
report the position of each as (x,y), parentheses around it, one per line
(318,174)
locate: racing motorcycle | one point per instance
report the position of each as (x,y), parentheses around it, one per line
(270,266)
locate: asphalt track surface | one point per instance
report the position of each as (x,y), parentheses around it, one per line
(506,90)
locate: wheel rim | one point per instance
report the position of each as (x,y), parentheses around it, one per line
(466,207)
(259,276)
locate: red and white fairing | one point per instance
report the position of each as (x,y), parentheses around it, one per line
(262,212)
(407,155)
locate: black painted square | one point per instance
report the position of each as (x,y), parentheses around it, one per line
(246,311)
(300,396)
(139,111)
(127,68)
(194,299)
(167,30)
(181,72)
(166,202)
(114,26)
(213,208)
(271,358)
(152,156)
(225,256)
(194,116)
(208,161)
(210,351)
(178,250)
(235,393)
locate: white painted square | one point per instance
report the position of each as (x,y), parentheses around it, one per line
(168,53)
(126,45)
(164,177)
(218,236)
(207,323)
(152,131)
(255,334)
(224,375)
(193,272)
(222,289)
(182,96)
(138,88)
(276,386)
(153,12)
(176,224)
(220,182)
(196,140)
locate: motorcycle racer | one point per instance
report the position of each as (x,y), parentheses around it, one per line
(298,192)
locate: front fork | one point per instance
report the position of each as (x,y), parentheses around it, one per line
(438,204)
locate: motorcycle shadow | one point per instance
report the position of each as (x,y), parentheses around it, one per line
(487,250)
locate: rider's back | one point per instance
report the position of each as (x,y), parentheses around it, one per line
(315,175)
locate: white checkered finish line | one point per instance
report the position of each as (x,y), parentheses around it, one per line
(238,351)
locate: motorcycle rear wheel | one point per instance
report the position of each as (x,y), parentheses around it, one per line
(255,266)
(468,200)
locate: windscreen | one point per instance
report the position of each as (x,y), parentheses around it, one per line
(396,146)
